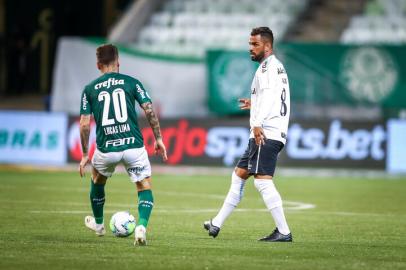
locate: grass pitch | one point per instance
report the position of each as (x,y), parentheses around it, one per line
(355,224)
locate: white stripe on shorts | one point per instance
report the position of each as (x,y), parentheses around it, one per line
(259,151)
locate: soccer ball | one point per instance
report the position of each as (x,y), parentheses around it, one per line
(122,224)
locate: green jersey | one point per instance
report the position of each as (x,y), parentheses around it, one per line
(111,99)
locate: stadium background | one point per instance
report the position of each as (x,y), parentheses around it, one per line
(346,62)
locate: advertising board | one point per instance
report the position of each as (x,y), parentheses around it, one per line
(220,142)
(33,138)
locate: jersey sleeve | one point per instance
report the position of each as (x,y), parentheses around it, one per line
(141,95)
(85,107)
(265,79)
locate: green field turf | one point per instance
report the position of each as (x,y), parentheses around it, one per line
(356,224)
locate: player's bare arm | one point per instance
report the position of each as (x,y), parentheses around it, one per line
(154,123)
(84,139)
(152,119)
(245,103)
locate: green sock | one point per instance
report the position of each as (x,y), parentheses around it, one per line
(145,205)
(97,199)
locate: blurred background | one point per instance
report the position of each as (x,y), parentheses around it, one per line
(346,62)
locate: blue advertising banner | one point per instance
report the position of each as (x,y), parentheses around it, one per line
(33,138)
(396,160)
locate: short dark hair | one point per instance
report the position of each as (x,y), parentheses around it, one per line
(106,54)
(265,33)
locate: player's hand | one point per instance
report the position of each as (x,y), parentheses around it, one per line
(245,103)
(259,135)
(160,149)
(82,165)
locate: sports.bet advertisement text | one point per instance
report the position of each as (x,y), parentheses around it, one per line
(54,139)
(220,142)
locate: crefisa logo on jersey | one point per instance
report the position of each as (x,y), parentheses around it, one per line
(108,83)
(369,74)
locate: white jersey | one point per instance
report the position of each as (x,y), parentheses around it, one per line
(270,100)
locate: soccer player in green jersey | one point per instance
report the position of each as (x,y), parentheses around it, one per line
(111,98)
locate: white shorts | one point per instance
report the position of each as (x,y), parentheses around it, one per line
(135,161)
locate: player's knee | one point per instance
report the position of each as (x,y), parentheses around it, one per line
(269,192)
(98,178)
(236,191)
(145,184)
(241,173)
(234,198)
(264,185)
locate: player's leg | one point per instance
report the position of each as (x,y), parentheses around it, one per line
(234,196)
(145,205)
(267,156)
(97,199)
(103,166)
(139,169)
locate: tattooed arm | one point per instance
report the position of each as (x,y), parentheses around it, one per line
(154,123)
(152,119)
(84,139)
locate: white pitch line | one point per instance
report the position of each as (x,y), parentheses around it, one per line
(355,214)
(66,204)
(289,205)
(191,194)
(157,210)
(209,210)
(134,191)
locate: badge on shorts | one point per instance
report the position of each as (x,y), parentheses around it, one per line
(135,170)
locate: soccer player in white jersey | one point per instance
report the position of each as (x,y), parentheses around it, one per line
(269,117)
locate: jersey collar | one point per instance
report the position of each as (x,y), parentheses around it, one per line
(268,58)
(263,66)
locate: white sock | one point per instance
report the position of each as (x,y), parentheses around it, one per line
(234,196)
(273,202)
